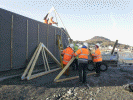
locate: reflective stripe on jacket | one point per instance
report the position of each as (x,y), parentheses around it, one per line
(83,53)
(68,54)
(97,56)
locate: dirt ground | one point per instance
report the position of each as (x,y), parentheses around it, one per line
(109,86)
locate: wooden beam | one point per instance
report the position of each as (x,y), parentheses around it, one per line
(46,58)
(27,68)
(71,78)
(64,69)
(51,55)
(114,47)
(11,56)
(34,62)
(27,43)
(43,73)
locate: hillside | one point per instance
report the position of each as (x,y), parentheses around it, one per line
(103,41)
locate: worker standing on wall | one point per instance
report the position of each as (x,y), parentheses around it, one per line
(50,22)
(45,19)
(97,59)
(67,53)
(83,61)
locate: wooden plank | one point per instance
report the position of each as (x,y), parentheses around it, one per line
(27,68)
(51,55)
(114,47)
(43,73)
(64,69)
(46,59)
(71,78)
(27,43)
(60,46)
(11,42)
(55,43)
(38,34)
(33,64)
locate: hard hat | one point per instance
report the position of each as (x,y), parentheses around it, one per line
(98,44)
(71,45)
(80,46)
(85,44)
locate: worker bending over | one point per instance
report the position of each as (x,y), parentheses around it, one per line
(67,53)
(50,22)
(83,61)
(97,59)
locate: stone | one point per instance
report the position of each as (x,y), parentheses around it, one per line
(91,99)
(128,87)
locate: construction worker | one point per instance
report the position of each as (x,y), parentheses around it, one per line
(97,59)
(50,22)
(67,53)
(45,19)
(83,61)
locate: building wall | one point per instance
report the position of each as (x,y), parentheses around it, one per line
(20,36)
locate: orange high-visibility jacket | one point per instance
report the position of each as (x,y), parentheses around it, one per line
(68,54)
(83,53)
(50,22)
(45,21)
(97,56)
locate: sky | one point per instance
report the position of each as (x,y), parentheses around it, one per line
(83,19)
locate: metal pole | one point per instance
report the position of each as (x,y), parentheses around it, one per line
(62,22)
(27,43)
(11,41)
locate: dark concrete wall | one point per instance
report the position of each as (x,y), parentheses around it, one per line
(24,27)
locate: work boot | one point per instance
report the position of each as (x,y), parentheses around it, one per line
(97,75)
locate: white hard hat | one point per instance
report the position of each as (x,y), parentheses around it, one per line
(71,45)
(80,46)
(98,44)
(85,44)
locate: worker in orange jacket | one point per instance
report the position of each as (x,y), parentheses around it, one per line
(67,53)
(45,19)
(97,59)
(50,22)
(83,61)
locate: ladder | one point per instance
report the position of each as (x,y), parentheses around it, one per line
(60,46)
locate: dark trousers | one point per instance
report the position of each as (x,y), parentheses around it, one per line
(82,72)
(98,64)
(76,62)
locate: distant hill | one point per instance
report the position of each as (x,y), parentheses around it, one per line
(98,38)
(103,41)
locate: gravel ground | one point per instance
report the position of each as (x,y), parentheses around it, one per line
(109,86)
